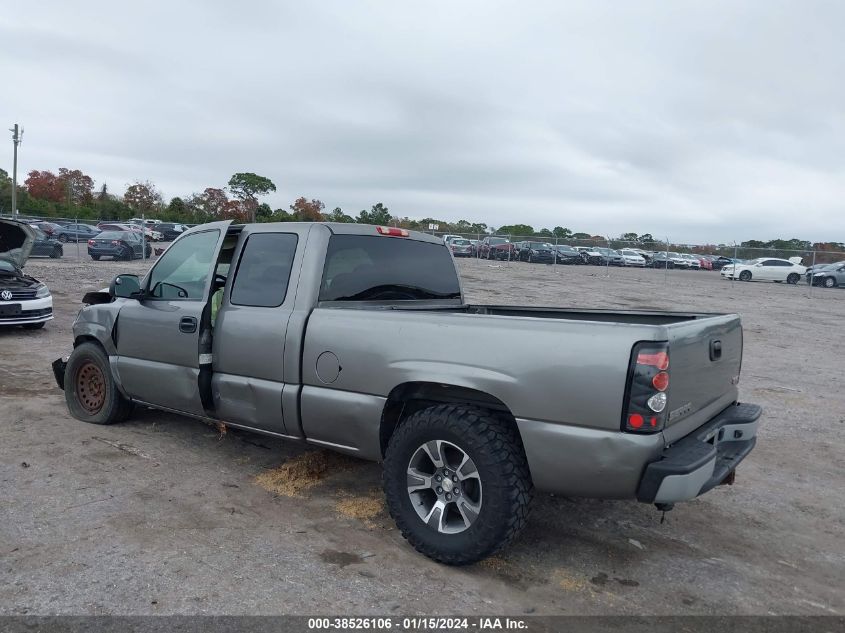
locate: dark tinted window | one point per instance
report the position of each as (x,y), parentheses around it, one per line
(377,268)
(264,270)
(114,235)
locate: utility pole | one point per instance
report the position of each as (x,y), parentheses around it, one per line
(17,137)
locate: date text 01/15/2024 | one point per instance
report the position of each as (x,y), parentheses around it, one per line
(417,623)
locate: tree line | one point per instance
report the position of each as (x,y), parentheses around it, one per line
(70,193)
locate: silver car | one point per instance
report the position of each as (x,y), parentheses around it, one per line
(828,276)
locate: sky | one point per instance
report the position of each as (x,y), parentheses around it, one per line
(700,122)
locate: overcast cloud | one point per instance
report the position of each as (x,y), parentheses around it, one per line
(700,121)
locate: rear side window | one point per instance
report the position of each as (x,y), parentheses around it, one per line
(264,270)
(377,268)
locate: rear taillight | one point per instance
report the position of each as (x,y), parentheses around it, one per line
(90,242)
(648,381)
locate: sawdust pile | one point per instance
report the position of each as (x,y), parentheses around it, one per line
(299,473)
(361,508)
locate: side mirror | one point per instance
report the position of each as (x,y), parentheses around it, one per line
(125,286)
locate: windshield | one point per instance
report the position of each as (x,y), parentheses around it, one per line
(376,268)
(498,240)
(568,249)
(676,255)
(460,242)
(7,266)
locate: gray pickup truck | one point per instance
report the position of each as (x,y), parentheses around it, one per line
(357,338)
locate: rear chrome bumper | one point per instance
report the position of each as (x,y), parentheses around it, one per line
(703,459)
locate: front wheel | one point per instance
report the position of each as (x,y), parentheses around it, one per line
(90,392)
(793,278)
(96,258)
(34,326)
(63,238)
(56,252)
(457,483)
(745,275)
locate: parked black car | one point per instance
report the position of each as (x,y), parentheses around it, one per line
(568,255)
(118,244)
(721,261)
(72,232)
(45,246)
(542,252)
(663,260)
(169,231)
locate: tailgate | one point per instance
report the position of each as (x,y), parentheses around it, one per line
(705,356)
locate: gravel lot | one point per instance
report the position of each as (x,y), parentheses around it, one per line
(164,515)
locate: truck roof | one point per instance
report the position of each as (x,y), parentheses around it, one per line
(344,228)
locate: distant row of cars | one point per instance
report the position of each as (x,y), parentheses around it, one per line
(502,248)
(118,240)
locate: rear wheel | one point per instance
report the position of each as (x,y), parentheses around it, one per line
(126,255)
(745,275)
(90,392)
(793,278)
(96,258)
(457,483)
(63,238)
(829,282)
(56,252)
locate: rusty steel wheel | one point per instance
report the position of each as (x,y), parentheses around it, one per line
(90,391)
(90,387)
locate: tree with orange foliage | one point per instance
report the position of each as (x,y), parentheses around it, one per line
(303,210)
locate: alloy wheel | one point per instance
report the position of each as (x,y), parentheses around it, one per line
(444,487)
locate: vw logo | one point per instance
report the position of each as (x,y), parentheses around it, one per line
(6,295)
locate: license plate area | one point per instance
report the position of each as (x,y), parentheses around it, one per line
(10,309)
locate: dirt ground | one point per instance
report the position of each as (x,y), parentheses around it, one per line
(164,515)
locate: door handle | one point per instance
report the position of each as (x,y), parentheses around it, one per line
(188,325)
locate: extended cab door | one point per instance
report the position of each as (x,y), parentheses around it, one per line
(158,335)
(251,328)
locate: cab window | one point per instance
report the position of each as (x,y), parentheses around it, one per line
(264,270)
(183,270)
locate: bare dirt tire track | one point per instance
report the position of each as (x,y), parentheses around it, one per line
(495,446)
